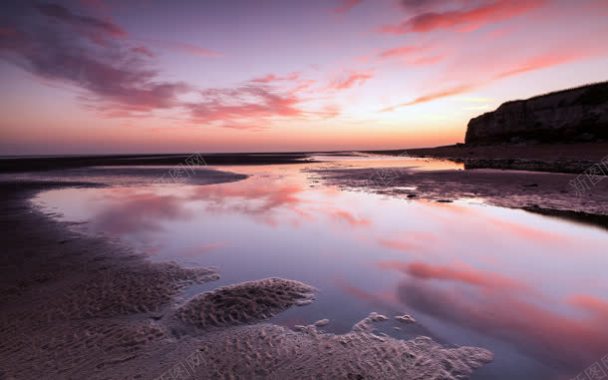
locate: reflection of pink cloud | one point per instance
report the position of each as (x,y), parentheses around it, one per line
(202,249)
(210,247)
(348,217)
(462,274)
(465,19)
(138,212)
(409,242)
(526,232)
(384,300)
(492,305)
(257,198)
(399,245)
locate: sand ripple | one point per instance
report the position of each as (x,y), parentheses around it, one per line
(246,302)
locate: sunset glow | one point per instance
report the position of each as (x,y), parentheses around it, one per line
(103,76)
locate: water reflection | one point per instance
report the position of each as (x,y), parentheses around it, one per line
(530,288)
(129,211)
(259,198)
(509,310)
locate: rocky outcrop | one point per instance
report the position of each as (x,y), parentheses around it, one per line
(578,114)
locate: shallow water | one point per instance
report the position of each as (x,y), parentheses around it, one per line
(530,288)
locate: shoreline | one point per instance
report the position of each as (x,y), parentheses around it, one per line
(33,164)
(555,158)
(550,194)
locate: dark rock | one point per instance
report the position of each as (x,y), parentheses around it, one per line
(578,114)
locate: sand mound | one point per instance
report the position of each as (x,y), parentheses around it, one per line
(246,302)
(116,349)
(275,352)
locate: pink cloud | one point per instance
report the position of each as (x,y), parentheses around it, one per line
(84,23)
(353,78)
(143,51)
(92,54)
(346,5)
(7,32)
(466,19)
(402,51)
(98,5)
(271,78)
(543,61)
(488,71)
(194,50)
(426,60)
(244,103)
(433,96)
(184,48)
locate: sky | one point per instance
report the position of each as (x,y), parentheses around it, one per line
(145,76)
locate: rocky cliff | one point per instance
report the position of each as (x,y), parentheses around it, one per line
(578,114)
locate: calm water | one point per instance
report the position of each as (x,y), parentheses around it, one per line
(530,288)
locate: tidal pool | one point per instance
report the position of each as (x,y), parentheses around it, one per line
(532,289)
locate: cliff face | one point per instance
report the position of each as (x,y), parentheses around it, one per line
(579,114)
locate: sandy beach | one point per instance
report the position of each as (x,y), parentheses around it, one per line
(76,306)
(336,189)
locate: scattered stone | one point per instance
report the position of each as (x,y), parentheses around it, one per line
(366,324)
(405,318)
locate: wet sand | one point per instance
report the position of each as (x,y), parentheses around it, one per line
(44,163)
(545,193)
(76,306)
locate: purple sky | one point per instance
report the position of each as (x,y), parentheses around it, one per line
(101,76)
